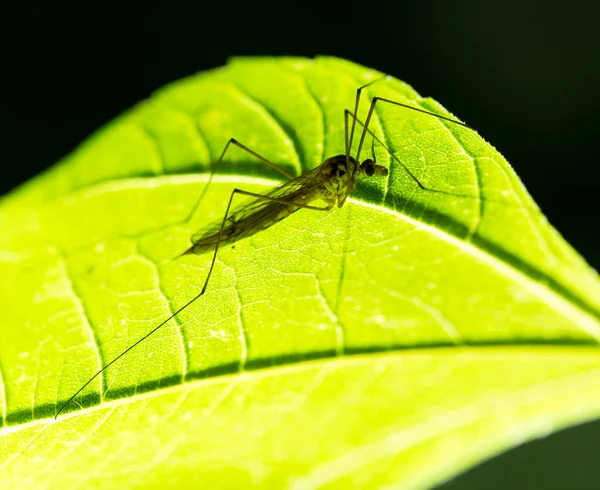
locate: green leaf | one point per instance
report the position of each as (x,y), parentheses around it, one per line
(416,331)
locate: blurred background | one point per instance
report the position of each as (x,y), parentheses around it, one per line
(525,74)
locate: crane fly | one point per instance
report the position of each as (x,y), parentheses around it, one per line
(331,183)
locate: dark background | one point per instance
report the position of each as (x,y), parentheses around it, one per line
(525,74)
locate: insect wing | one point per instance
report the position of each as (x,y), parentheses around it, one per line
(259,213)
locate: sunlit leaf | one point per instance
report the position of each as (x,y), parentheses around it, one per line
(429,323)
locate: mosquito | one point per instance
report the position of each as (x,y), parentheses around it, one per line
(331,183)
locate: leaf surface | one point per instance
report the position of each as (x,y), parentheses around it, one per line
(434,320)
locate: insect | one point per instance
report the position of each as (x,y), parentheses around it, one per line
(330,183)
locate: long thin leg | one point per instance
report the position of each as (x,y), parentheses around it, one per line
(406,169)
(406,106)
(212,264)
(260,196)
(376,138)
(366,129)
(356,104)
(233,141)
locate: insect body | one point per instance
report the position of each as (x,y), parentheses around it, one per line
(330,184)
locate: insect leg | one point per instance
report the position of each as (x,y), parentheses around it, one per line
(372,133)
(160,325)
(259,196)
(376,138)
(233,141)
(393,156)
(355,115)
(399,104)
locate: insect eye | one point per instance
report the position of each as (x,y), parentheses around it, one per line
(368,167)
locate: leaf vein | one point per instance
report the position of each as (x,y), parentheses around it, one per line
(473,229)
(88,434)
(155,142)
(562,305)
(3,398)
(180,332)
(286,130)
(244,337)
(435,313)
(318,106)
(84,314)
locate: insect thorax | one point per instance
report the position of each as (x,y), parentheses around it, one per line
(337,180)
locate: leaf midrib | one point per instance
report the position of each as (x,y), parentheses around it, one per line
(282,369)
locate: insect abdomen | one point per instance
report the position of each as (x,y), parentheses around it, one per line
(283,214)
(234,232)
